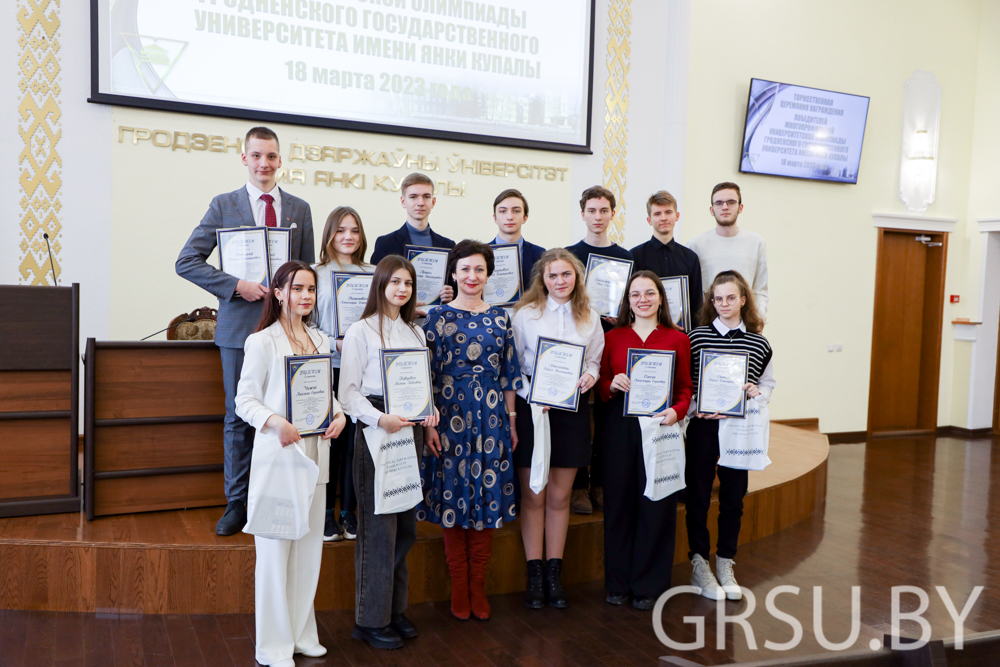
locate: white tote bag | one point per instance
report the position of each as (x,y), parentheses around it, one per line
(397,470)
(282,485)
(663,455)
(542,451)
(743,442)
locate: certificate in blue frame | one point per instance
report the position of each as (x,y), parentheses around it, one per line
(680,286)
(340,323)
(251,235)
(606,293)
(503,295)
(551,363)
(309,392)
(408,401)
(279,248)
(729,365)
(646,407)
(424,292)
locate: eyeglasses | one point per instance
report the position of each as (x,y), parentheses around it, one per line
(649,294)
(729,203)
(729,298)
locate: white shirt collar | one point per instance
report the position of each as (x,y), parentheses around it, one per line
(723,329)
(256,192)
(553,305)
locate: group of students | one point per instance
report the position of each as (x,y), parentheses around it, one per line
(480,440)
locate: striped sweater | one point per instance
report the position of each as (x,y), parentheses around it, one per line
(709,338)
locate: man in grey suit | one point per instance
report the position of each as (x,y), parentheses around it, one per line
(259,203)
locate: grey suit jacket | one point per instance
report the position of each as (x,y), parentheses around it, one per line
(238,318)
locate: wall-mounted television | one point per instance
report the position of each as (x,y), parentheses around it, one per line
(802,132)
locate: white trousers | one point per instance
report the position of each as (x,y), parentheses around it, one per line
(286,577)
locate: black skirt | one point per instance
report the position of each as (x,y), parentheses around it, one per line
(571,435)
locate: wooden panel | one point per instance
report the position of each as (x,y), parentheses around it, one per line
(148,494)
(930,348)
(168,381)
(161,446)
(35,391)
(40,320)
(36,458)
(898,331)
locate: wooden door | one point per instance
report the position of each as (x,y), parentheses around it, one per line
(996,396)
(906,337)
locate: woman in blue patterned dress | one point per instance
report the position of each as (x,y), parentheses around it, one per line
(467,476)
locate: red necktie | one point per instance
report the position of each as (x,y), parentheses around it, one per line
(270,218)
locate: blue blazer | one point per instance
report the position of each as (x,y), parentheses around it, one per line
(395,242)
(530,254)
(238,318)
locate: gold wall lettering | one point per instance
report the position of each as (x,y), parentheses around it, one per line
(40,129)
(616,109)
(196,141)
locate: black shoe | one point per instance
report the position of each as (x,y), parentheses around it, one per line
(640,602)
(618,598)
(402,625)
(350,524)
(534,594)
(385,638)
(554,591)
(233,520)
(331,529)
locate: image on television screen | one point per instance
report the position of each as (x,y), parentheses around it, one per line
(802,132)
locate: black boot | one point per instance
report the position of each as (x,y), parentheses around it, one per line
(534,594)
(554,590)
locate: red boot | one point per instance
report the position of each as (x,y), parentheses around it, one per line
(457,552)
(480,545)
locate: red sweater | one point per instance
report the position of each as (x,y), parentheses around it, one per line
(616,345)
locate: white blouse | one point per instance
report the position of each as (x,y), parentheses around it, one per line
(323,317)
(261,391)
(556,321)
(361,369)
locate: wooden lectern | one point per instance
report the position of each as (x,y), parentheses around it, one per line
(39,387)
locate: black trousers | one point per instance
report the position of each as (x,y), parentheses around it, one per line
(341,484)
(638,532)
(594,477)
(702,452)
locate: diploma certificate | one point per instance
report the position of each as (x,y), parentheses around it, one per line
(651,381)
(243,252)
(678,300)
(406,379)
(504,286)
(430,265)
(558,368)
(606,281)
(278,247)
(309,392)
(720,382)
(350,295)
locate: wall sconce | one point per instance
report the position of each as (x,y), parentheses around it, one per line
(918,154)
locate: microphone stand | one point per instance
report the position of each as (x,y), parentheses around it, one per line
(190,319)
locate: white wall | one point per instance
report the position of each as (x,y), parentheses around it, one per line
(126,210)
(821,242)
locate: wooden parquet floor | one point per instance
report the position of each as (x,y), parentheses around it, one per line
(921,512)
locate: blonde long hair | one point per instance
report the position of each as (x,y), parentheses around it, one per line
(538,293)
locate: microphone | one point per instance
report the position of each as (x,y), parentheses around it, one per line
(51,263)
(190,319)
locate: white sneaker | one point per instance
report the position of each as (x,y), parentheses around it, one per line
(727,578)
(703,579)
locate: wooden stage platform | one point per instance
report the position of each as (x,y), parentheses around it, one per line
(173,563)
